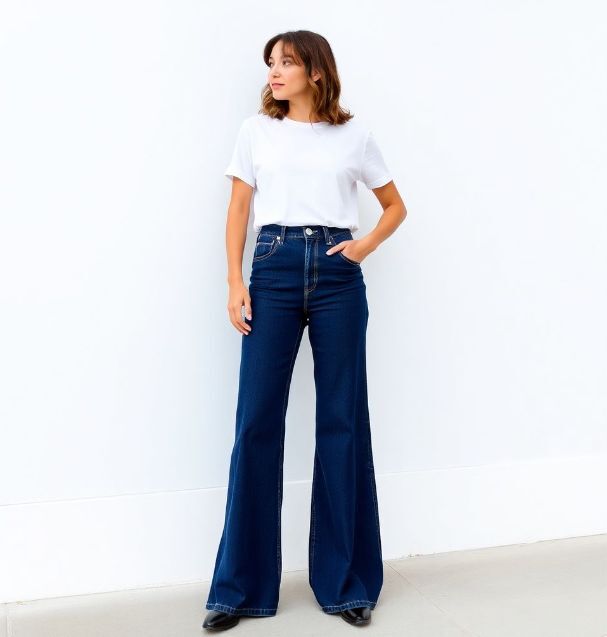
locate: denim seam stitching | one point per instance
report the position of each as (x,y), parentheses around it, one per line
(314,268)
(370,459)
(239,611)
(306,261)
(352,604)
(302,326)
(373,488)
(313,521)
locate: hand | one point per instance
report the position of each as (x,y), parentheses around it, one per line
(356,249)
(239,296)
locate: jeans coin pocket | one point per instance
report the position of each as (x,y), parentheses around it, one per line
(265,247)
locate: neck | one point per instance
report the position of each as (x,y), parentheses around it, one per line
(302,113)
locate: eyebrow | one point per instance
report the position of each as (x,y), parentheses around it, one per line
(284,56)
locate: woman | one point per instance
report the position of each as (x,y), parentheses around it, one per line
(299,158)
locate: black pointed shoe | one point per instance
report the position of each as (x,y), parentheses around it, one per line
(357,616)
(218,620)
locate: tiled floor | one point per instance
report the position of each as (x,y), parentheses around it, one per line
(547,589)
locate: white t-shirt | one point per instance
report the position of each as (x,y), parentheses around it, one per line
(306,174)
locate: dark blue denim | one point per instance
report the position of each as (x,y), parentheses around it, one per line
(295,284)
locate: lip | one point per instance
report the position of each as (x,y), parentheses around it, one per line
(276,84)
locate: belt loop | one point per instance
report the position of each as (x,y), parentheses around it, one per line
(327,235)
(282,233)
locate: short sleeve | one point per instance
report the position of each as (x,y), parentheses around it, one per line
(241,164)
(374,172)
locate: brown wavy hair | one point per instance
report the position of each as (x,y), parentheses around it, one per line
(312,51)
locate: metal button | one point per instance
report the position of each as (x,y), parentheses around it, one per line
(309,231)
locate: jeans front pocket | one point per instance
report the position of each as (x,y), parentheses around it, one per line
(343,256)
(344,237)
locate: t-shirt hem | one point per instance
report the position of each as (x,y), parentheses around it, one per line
(244,178)
(379,182)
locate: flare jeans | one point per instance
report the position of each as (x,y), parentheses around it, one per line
(295,284)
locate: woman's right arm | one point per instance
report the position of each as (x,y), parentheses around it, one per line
(236,236)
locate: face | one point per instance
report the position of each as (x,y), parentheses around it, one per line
(286,78)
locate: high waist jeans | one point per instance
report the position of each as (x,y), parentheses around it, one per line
(295,284)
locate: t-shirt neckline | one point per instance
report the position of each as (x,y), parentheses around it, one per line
(296,122)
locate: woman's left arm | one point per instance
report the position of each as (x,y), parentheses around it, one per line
(394,213)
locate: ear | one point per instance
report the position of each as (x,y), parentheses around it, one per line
(316,75)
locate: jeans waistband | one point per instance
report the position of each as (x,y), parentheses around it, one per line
(303,232)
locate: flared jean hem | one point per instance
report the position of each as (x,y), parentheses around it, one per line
(241,611)
(357,603)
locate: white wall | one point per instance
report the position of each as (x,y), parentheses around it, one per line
(118,365)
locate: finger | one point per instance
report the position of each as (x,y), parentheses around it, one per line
(236,322)
(248,312)
(336,248)
(245,326)
(242,323)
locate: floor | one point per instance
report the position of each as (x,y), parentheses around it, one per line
(547,589)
